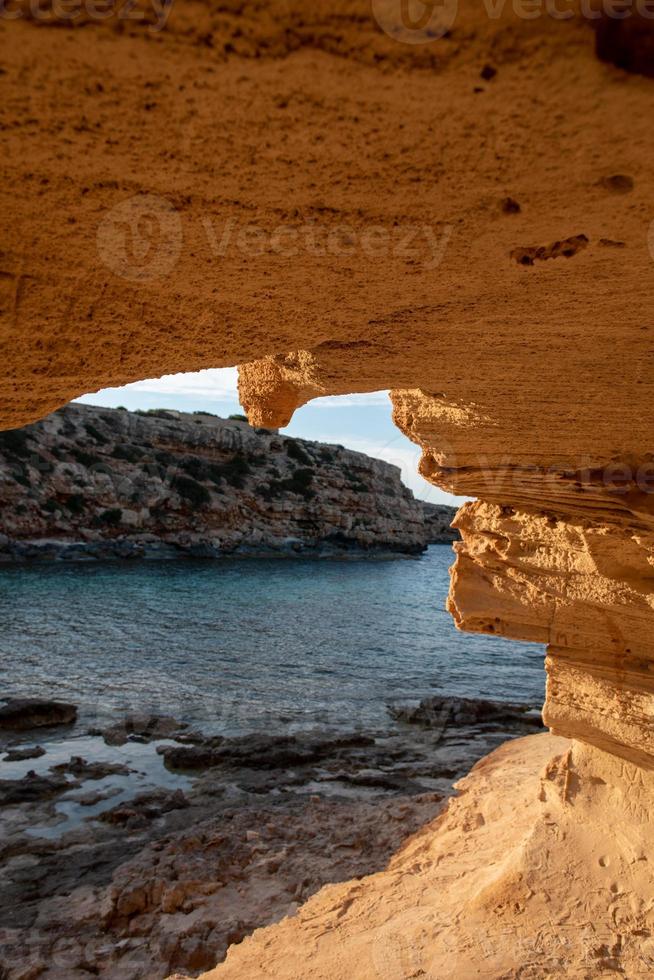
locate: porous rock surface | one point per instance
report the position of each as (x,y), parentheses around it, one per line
(92,482)
(517,339)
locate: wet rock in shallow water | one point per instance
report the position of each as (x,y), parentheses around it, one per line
(145,727)
(94,797)
(31,788)
(444,712)
(145,807)
(24,713)
(19,755)
(77,766)
(262,751)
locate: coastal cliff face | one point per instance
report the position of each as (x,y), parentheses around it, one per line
(106,483)
(505,296)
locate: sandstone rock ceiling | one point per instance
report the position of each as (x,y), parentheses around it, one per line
(514,325)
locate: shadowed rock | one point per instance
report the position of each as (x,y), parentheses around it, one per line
(627,44)
(24,713)
(441,712)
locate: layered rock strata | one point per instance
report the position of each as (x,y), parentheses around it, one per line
(106,483)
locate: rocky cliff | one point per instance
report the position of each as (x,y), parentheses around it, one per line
(102,483)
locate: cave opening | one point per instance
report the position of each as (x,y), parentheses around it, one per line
(225,688)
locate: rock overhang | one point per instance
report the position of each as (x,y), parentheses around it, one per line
(343,228)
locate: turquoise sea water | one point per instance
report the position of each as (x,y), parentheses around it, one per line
(241,645)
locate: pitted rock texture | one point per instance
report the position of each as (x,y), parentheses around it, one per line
(247,116)
(106,483)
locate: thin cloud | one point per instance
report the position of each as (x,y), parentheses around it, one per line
(220,384)
(215,384)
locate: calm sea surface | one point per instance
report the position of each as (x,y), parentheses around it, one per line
(241,645)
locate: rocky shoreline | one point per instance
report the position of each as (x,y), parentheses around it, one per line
(147,849)
(90,483)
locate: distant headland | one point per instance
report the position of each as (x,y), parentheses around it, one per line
(99,483)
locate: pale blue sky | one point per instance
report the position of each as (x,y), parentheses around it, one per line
(361,422)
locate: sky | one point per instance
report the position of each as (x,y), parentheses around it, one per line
(361,422)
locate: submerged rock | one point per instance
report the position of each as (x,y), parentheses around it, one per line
(145,728)
(19,714)
(441,711)
(19,755)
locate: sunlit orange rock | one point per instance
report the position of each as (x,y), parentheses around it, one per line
(319,193)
